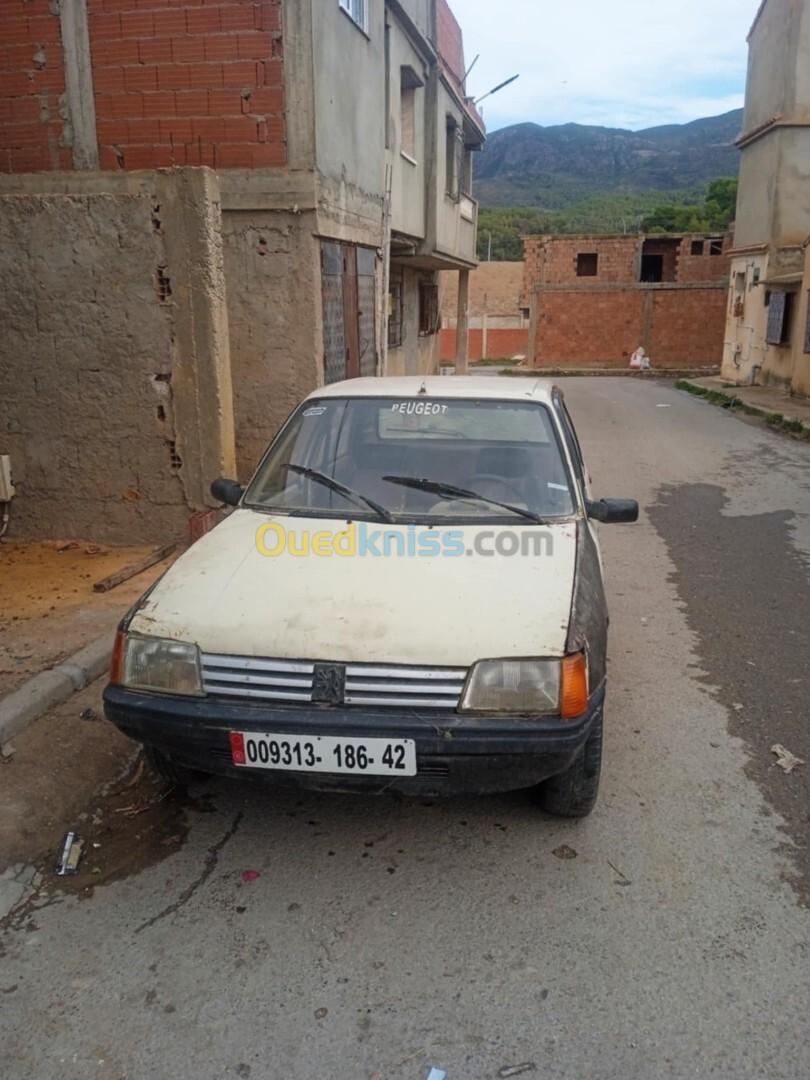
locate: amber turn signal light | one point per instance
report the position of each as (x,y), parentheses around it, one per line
(117,664)
(574,689)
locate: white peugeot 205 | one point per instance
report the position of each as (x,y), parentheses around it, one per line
(407,595)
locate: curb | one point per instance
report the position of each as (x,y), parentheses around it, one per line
(727,399)
(54,686)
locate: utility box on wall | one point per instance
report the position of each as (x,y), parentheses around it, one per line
(6,482)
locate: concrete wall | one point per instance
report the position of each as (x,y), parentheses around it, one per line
(349,73)
(272,267)
(114,366)
(409,176)
(772,204)
(495,289)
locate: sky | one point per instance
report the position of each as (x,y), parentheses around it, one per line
(618,63)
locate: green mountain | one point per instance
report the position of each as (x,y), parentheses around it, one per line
(553,168)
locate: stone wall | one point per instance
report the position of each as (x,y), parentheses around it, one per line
(115,400)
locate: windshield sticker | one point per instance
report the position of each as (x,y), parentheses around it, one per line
(418,408)
(316,410)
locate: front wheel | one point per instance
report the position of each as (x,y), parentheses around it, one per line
(573,794)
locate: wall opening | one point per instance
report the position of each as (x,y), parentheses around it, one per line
(697,247)
(587,264)
(659,261)
(716,247)
(428,308)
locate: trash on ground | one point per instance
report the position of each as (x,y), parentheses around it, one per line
(88,714)
(250,875)
(321,1013)
(659,406)
(436,1074)
(70,854)
(784,759)
(564,852)
(517,1070)
(7,751)
(738,706)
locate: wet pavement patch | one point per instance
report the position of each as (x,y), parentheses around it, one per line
(747,597)
(139,822)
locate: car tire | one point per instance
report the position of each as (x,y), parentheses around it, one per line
(573,794)
(176,775)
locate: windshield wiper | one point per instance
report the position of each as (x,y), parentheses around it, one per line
(436,487)
(341,489)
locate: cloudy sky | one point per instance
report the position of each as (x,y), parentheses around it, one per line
(622,63)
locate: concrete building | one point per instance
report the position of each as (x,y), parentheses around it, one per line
(205,212)
(593,300)
(768,323)
(497,324)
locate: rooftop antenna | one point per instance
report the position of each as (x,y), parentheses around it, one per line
(500,86)
(469,69)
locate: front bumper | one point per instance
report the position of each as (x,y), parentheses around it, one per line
(455,754)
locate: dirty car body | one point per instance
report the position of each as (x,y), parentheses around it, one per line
(408,595)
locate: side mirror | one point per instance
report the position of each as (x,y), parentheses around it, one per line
(613,511)
(227,491)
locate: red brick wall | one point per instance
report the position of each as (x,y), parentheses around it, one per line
(588,329)
(553,260)
(705,267)
(579,329)
(500,343)
(689,327)
(31,82)
(177,82)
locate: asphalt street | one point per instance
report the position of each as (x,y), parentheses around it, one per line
(668,936)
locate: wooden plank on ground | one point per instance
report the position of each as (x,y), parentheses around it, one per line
(127,572)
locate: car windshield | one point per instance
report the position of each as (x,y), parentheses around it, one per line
(506,452)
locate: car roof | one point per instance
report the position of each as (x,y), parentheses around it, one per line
(519,388)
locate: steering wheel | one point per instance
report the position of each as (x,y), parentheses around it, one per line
(505,491)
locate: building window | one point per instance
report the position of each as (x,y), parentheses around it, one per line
(428,308)
(780,318)
(807,327)
(453,152)
(409,83)
(715,247)
(395,315)
(587,264)
(697,247)
(358,11)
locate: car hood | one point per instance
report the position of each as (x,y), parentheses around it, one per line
(227,597)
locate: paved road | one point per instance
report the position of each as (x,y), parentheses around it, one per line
(385,936)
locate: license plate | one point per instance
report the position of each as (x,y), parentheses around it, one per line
(324,753)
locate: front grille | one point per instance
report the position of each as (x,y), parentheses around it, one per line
(257,679)
(439,688)
(254,678)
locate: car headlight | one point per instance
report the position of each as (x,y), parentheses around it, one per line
(147,663)
(535,687)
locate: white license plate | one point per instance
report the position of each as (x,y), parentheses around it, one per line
(324,753)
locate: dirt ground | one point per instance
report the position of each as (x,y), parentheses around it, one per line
(48,608)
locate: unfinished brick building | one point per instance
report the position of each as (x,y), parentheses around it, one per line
(592,300)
